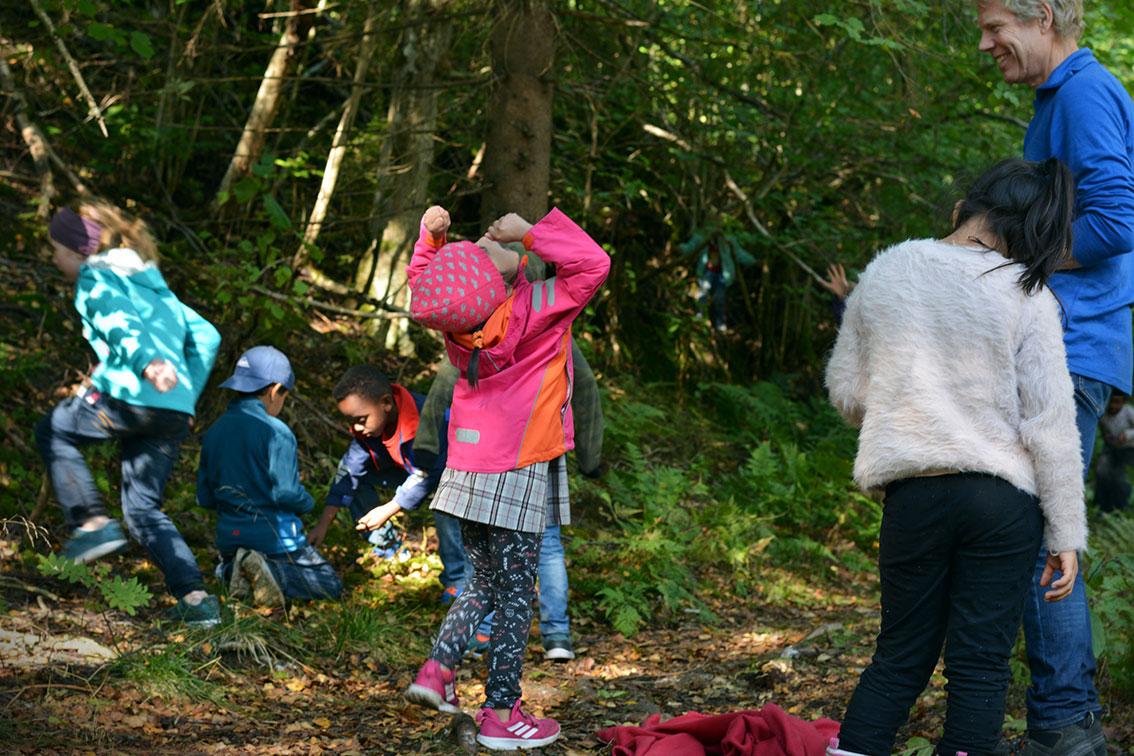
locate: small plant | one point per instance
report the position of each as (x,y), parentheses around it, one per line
(1110,580)
(123,595)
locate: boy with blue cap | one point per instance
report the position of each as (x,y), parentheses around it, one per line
(249,474)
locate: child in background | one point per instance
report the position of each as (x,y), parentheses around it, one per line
(1112,484)
(249,474)
(383,420)
(509,430)
(155,357)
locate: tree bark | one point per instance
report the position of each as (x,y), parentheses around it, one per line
(518,153)
(265,105)
(405,165)
(339,143)
(33,138)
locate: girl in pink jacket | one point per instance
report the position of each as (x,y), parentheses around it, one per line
(509,429)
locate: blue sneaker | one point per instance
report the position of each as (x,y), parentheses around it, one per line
(449,595)
(387,542)
(478,646)
(87,545)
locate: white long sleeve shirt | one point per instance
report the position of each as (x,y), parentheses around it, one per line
(946,365)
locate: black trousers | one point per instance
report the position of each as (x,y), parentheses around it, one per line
(956,553)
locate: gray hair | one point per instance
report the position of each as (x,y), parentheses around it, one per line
(1067,15)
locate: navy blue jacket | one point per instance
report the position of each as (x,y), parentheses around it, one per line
(249,473)
(367,456)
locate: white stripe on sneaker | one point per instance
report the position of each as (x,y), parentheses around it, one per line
(514,728)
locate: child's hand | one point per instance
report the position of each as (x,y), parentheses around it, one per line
(436,220)
(508,228)
(377,517)
(317,535)
(1065,562)
(161,374)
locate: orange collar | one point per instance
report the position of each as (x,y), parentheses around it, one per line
(494,328)
(408,419)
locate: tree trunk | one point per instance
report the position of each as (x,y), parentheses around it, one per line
(518,154)
(266,104)
(405,165)
(339,143)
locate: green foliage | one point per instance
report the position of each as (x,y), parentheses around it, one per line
(171,671)
(1110,580)
(686,493)
(124,595)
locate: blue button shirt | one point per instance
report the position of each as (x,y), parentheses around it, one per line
(1085,117)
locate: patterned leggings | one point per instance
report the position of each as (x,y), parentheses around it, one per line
(504,566)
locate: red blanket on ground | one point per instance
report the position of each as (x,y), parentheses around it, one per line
(768,732)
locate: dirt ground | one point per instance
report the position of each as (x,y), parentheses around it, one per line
(803,658)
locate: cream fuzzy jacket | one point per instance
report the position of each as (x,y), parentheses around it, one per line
(946,365)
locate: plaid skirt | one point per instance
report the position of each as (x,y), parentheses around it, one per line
(527,499)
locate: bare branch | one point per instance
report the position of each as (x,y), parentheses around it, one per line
(93,109)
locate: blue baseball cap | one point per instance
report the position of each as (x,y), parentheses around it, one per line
(260,367)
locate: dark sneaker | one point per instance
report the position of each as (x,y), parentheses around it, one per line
(558,649)
(449,595)
(435,687)
(262,582)
(88,545)
(1084,738)
(521,731)
(204,614)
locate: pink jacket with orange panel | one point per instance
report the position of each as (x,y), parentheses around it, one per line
(520,411)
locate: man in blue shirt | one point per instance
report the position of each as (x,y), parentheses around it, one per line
(1084,117)
(249,474)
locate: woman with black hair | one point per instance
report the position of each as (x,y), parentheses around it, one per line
(951,361)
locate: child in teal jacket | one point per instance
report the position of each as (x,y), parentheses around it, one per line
(155,355)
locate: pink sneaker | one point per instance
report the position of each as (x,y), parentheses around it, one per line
(522,730)
(435,688)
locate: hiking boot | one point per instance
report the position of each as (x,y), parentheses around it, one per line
(87,545)
(262,582)
(202,615)
(434,687)
(522,730)
(1084,738)
(558,648)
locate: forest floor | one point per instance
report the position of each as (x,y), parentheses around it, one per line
(329,677)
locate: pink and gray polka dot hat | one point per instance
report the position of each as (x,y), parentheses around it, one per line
(458,290)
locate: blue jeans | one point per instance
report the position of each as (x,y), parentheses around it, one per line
(301,574)
(149,441)
(553,620)
(1058,634)
(455,568)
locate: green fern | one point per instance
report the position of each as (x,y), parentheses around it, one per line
(57,566)
(125,595)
